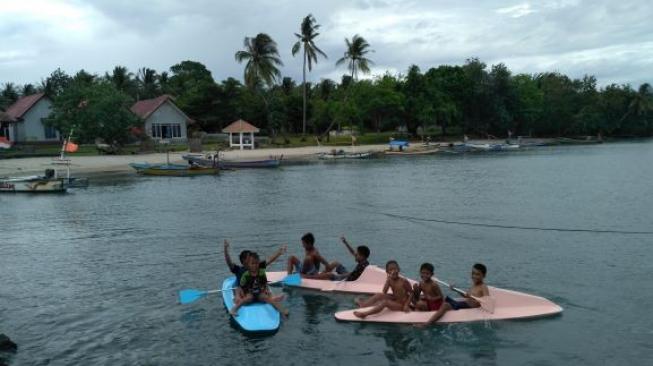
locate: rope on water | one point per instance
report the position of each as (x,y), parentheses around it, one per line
(516,227)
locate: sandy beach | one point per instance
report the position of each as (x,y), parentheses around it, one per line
(116,164)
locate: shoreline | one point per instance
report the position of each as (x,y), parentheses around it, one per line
(99,165)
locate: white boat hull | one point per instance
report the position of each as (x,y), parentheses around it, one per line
(32,185)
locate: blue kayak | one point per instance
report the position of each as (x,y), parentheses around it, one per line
(252,318)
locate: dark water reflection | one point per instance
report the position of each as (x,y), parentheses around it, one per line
(91,277)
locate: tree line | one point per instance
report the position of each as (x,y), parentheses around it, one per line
(472,98)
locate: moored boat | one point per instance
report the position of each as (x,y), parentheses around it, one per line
(413,152)
(340,155)
(48,183)
(176,170)
(213,160)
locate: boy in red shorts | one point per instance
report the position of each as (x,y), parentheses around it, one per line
(426,294)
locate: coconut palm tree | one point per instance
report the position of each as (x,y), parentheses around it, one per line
(355,58)
(262,59)
(308,34)
(121,78)
(146,80)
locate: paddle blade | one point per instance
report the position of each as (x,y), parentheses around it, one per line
(190,295)
(292,280)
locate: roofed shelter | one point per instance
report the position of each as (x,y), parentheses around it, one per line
(241,134)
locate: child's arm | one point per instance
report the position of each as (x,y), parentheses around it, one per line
(386,287)
(276,255)
(320,258)
(351,250)
(227,258)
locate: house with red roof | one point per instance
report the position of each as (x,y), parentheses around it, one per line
(23,120)
(163,119)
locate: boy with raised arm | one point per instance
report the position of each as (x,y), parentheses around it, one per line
(478,290)
(254,284)
(238,270)
(361,255)
(312,258)
(398,301)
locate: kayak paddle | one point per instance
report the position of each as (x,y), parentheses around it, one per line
(190,295)
(487,303)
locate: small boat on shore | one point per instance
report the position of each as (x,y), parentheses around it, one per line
(414,152)
(341,155)
(213,160)
(47,183)
(174,170)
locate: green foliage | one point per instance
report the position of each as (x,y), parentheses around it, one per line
(94,110)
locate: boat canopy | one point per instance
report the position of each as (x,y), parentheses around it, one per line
(399,143)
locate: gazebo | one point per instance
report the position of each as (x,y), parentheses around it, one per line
(245,131)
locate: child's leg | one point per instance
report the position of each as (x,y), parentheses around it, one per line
(438,314)
(238,295)
(267,299)
(245,300)
(371,300)
(421,306)
(390,304)
(292,263)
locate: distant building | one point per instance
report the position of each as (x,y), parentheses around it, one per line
(241,134)
(163,119)
(23,120)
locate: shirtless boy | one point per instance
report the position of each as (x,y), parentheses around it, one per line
(399,300)
(361,256)
(312,258)
(478,289)
(426,294)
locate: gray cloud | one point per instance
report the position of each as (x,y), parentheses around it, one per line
(605,38)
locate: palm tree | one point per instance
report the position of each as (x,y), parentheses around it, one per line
(262,59)
(146,81)
(121,78)
(640,104)
(306,38)
(355,58)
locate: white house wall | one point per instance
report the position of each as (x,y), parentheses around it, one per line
(166,113)
(31,128)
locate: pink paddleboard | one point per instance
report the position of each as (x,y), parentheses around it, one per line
(371,281)
(508,305)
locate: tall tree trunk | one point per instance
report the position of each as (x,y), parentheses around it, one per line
(304,112)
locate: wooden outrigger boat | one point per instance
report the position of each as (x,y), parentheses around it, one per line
(175,170)
(47,183)
(213,160)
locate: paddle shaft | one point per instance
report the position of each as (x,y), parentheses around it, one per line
(457,290)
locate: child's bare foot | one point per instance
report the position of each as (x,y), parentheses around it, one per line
(233,312)
(360,314)
(285,314)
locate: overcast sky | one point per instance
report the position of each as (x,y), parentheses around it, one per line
(611,39)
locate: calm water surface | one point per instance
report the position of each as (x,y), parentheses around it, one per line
(90,278)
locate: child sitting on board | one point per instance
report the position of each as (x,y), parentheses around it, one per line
(398,301)
(426,294)
(361,256)
(238,270)
(478,290)
(254,284)
(312,258)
